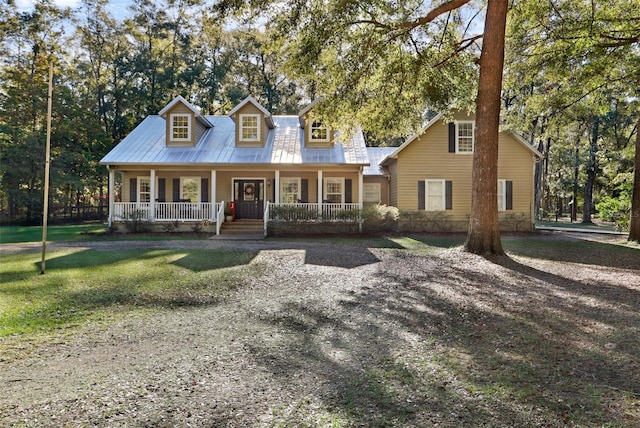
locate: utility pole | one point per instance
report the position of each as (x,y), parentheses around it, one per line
(45,211)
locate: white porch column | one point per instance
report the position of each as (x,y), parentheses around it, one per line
(112,192)
(276,183)
(152,201)
(320,208)
(360,196)
(360,189)
(212,190)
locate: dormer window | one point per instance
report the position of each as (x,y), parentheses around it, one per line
(249,127)
(318,133)
(180,127)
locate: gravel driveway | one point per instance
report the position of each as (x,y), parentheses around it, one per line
(288,350)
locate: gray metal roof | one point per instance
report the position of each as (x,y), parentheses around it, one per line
(284,146)
(376,156)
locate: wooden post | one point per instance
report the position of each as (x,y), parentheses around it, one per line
(47,156)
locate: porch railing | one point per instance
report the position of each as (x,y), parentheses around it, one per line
(313,212)
(165,211)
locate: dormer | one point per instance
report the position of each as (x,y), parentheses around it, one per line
(184,123)
(252,123)
(316,133)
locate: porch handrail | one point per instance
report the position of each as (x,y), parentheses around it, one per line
(220,218)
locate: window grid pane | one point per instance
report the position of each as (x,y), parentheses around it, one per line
(144,189)
(501,196)
(435,195)
(465,137)
(289,192)
(249,128)
(319,132)
(333,190)
(180,127)
(371,192)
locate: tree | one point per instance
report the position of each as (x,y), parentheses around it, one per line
(381,65)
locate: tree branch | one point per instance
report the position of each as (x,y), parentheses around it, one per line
(445,7)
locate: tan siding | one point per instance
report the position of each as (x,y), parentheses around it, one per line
(251,109)
(428,157)
(180,108)
(393,183)
(384,187)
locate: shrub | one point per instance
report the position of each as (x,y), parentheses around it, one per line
(380,218)
(138,222)
(617,209)
(424,221)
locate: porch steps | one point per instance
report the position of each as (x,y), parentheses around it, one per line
(242,228)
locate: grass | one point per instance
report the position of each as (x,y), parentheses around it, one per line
(566,223)
(17,234)
(86,285)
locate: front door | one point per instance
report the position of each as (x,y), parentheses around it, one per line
(249,197)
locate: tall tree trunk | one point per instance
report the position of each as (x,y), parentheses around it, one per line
(576,175)
(591,171)
(484,227)
(634,223)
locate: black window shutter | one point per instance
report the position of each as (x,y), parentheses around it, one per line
(204,190)
(448,194)
(304,191)
(176,190)
(421,204)
(452,137)
(133,190)
(509,191)
(348,192)
(162,190)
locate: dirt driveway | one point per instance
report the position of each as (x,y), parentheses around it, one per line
(345,335)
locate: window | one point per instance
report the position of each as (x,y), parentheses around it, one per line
(180,127)
(144,189)
(190,189)
(318,132)
(464,137)
(249,127)
(372,192)
(435,195)
(290,190)
(334,190)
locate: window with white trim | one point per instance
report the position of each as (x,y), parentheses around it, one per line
(289,190)
(372,192)
(144,189)
(502,195)
(334,190)
(435,195)
(465,137)
(249,127)
(318,132)
(180,127)
(190,189)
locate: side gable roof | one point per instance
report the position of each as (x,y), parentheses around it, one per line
(264,111)
(179,99)
(438,117)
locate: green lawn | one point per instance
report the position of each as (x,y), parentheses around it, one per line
(88,284)
(15,234)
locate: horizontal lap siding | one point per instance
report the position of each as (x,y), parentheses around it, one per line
(428,158)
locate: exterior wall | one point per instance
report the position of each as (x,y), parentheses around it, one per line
(197,129)
(428,157)
(384,188)
(308,120)
(249,108)
(393,182)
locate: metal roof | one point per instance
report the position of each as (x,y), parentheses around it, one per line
(284,146)
(376,156)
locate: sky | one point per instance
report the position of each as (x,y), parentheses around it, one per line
(117,7)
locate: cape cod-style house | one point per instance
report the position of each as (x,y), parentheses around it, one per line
(183,168)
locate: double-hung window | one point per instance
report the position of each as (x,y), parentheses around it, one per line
(190,189)
(435,195)
(289,190)
(372,192)
(249,127)
(334,190)
(180,127)
(144,189)
(318,133)
(465,137)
